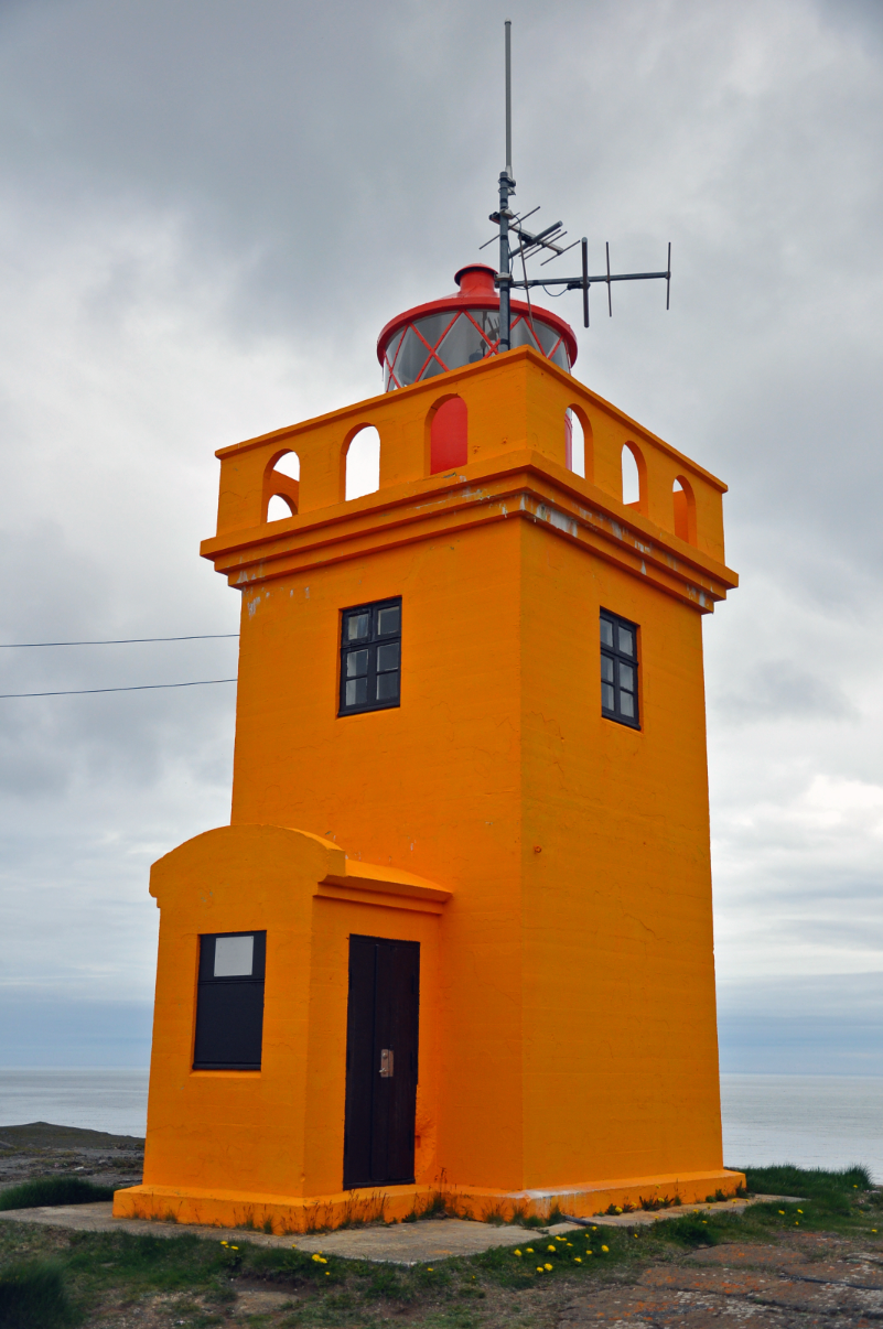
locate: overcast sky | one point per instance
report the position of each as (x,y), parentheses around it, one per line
(208,209)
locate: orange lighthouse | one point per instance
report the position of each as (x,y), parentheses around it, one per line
(458,934)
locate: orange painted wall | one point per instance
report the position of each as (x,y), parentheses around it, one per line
(280,1130)
(568,1029)
(618,950)
(580,977)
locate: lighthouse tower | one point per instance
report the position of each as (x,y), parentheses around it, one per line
(458,934)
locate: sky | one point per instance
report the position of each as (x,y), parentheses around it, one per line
(208,211)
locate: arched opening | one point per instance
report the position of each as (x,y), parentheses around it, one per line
(631,476)
(575,442)
(363,463)
(448,436)
(288,464)
(279,507)
(282,486)
(684,504)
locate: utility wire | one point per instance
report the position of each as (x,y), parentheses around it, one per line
(121,641)
(139,687)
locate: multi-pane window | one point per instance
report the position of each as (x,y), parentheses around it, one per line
(619,669)
(371,656)
(230,1002)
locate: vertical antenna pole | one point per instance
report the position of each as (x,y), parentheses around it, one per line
(585,250)
(507,186)
(508,26)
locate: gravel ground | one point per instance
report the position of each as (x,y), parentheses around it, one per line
(42,1150)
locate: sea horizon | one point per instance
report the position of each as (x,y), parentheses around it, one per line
(825,1121)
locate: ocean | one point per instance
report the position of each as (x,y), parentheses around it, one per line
(825,1121)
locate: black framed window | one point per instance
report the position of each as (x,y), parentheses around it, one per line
(230,1001)
(370,656)
(619,669)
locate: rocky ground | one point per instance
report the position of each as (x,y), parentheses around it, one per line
(789,1265)
(796,1283)
(42,1150)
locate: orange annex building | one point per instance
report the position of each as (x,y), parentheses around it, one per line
(457,937)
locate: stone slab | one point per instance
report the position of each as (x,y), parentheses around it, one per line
(396,1243)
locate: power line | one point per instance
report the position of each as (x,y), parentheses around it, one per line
(121,641)
(139,687)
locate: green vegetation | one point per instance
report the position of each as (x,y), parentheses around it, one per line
(32,1296)
(832,1192)
(76,1273)
(53,1190)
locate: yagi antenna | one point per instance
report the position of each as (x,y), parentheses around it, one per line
(531,243)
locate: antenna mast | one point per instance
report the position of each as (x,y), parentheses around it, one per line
(507,187)
(530,243)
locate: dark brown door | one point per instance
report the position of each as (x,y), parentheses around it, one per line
(381,1062)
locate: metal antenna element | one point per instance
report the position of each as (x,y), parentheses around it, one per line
(532,243)
(508,96)
(507,187)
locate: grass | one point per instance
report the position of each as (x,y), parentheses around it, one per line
(53,1190)
(33,1296)
(76,1273)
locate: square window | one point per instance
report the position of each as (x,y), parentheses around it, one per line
(357,626)
(387,657)
(234,957)
(370,677)
(388,687)
(356,692)
(619,669)
(230,1002)
(356,664)
(389,620)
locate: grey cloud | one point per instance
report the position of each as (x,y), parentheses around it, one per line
(780,690)
(208,213)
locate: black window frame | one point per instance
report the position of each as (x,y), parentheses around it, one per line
(222,1015)
(372,643)
(613,661)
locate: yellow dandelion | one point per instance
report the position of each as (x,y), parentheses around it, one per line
(550,1248)
(225,1243)
(234,1248)
(530,1250)
(540,1269)
(606,1250)
(588,1252)
(327,1274)
(577,1259)
(594,1229)
(516,1252)
(548,1266)
(782,1211)
(800,1211)
(432,1271)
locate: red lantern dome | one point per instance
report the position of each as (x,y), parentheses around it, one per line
(464,327)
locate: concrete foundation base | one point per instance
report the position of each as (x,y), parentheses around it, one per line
(283,1213)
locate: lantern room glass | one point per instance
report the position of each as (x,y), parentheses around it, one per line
(452,338)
